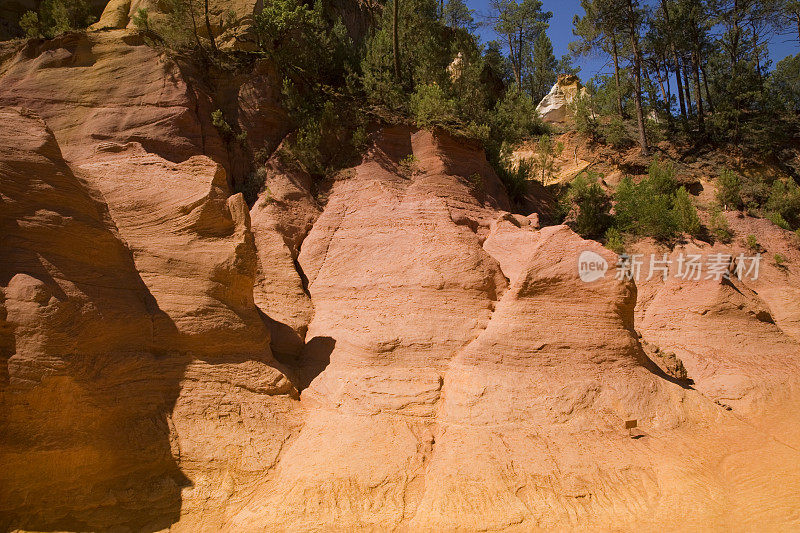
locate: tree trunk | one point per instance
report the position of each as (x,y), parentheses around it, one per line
(663,89)
(674,51)
(797,20)
(708,92)
(637,74)
(736,34)
(194,29)
(616,75)
(208,28)
(688,88)
(701,125)
(514,65)
(680,84)
(396,39)
(758,62)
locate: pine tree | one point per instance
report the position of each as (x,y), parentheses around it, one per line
(457,15)
(542,71)
(602,28)
(519,23)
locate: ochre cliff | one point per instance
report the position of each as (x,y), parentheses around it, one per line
(394,350)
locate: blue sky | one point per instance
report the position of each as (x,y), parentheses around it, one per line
(560,33)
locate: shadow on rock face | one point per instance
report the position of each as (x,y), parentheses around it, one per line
(86,442)
(316,358)
(85,401)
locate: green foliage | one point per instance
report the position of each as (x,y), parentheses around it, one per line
(780,260)
(515,177)
(616,134)
(643,210)
(431,107)
(219,122)
(306,49)
(593,205)
(306,147)
(515,118)
(541,71)
(585,120)
(655,207)
(614,241)
(254,184)
(520,23)
(29,22)
(778,220)
(477,186)
(662,176)
(179,29)
(784,84)
(546,158)
(685,213)
(784,200)
(753,191)
(604,94)
(360,139)
(141,19)
(458,16)
(565,66)
(55,17)
(719,226)
(751,242)
(426,50)
(408,166)
(729,190)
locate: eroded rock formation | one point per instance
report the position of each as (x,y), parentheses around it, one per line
(395,350)
(555,107)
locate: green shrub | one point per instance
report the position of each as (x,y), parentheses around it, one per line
(55,17)
(614,241)
(780,260)
(29,22)
(778,220)
(254,184)
(642,209)
(729,190)
(219,122)
(784,200)
(754,192)
(616,134)
(719,226)
(514,176)
(408,166)
(477,186)
(431,107)
(585,121)
(593,205)
(515,118)
(662,176)
(656,131)
(141,19)
(546,158)
(306,147)
(303,45)
(685,213)
(360,139)
(751,242)
(225,130)
(784,83)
